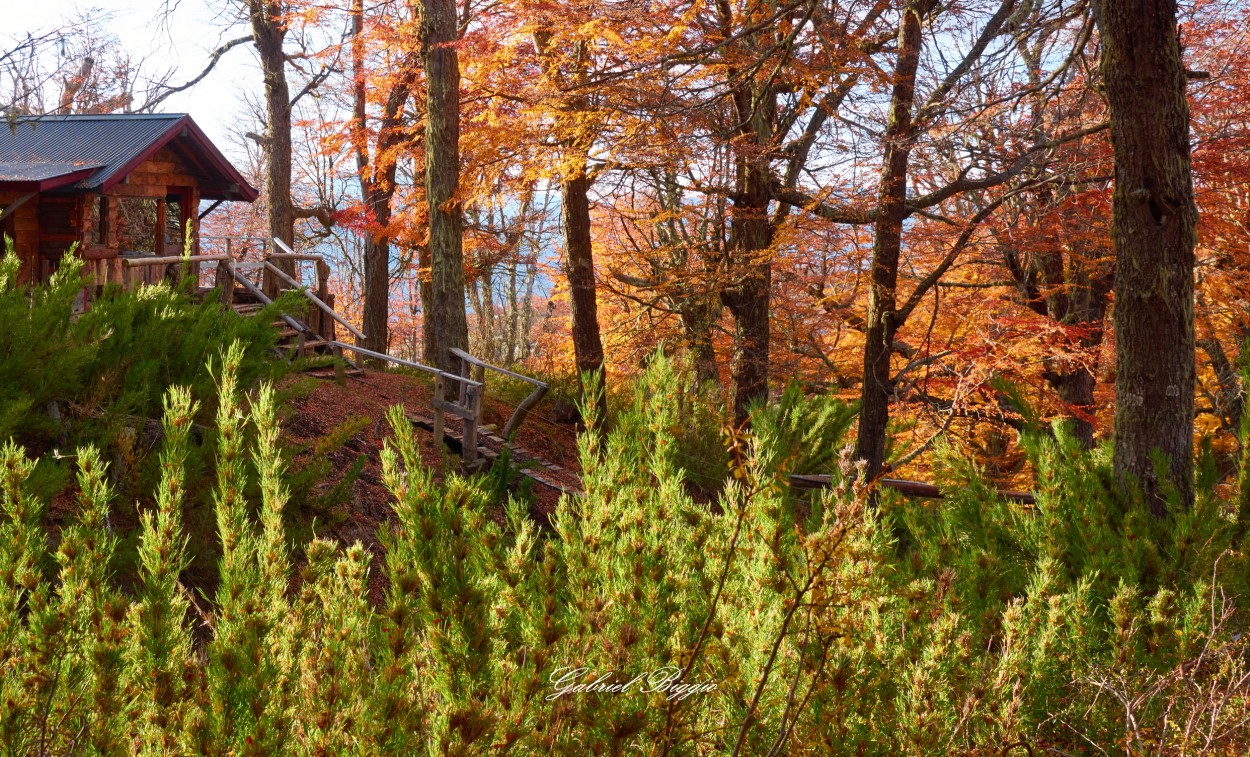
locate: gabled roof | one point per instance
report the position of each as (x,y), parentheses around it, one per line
(56,147)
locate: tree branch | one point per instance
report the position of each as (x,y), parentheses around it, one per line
(213,59)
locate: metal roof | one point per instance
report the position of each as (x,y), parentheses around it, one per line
(40,171)
(116,144)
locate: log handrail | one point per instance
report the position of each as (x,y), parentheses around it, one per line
(294,255)
(314,299)
(255,290)
(168,259)
(483,364)
(527,404)
(406,363)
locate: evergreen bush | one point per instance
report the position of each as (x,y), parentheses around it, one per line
(68,378)
(759,624)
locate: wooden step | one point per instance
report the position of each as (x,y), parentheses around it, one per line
(247,308)
(323,373)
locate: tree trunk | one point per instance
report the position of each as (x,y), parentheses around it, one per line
(698,319)
(514,314)
(1154,221)
(1076,389)
(1074,294)
(748,297)
(446,323)
(750,305)
(377,183)
(878,387)
(269,33)
(377,270)
(587,344)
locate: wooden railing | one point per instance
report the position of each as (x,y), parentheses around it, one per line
(459,394)
(321,299)
(467,406)
(174,267)
(228,272)
(468,364)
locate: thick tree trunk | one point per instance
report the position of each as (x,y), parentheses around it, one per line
(446,323)
(1154,225)
(748,297)
(269,33)
(750,302)
(587,344)
(698,319)
(878,387)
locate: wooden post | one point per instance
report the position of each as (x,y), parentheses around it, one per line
(471,424)
(323,280)
(464,371)
(323,292)
(340,373)
(439,388)
(268,282)
(225,280)
(331,331)
(159,236)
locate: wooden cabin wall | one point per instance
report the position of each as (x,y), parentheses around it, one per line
(46,226)
(158,177)
(23,226)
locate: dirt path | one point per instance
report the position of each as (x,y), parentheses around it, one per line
(361,403)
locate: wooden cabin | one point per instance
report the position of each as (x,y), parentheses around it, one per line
(121,186)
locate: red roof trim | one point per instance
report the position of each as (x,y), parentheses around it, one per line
(207,148)
(53,182)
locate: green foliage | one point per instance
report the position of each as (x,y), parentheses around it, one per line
(645,622)
(102,368)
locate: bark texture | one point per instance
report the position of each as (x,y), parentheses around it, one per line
(878,386)
(748,293)
(587,344)
(446,323)
(1154,232)
(268,20)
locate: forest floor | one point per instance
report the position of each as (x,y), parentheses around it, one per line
(355,415)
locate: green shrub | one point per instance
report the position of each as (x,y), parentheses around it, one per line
(788,627)
(66,378)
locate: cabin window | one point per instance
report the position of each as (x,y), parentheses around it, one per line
(136,224)
(97,220)
(174,240)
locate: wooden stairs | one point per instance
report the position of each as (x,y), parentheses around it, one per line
(456,393)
